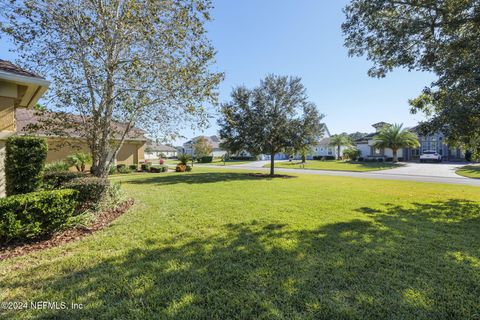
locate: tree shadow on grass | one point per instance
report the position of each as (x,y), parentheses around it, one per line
(415,262)
(201,178)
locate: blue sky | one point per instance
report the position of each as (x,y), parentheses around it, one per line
(303,38)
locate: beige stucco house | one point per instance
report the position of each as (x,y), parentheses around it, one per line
(131,151)
(20,90)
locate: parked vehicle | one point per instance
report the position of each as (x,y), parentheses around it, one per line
(430,155)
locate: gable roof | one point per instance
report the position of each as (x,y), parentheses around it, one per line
(25,117)
(158,147)
(9,67)
(213,140)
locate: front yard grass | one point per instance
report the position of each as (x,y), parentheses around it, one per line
(336,165)
(220,245)
(219,162)
(472,171)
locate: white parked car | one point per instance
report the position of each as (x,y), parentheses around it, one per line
(430,156)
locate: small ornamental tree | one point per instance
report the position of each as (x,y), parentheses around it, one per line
(270,118)
(24,164)
(338,141)
(202,147)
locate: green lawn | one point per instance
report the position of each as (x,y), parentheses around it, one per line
(336,165)
(220,245)
(219,162)
(469,171)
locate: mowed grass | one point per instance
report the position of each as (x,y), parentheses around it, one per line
(219,162)
(336,165)
(472,171)
(222,245)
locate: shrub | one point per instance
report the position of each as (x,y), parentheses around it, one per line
(205,159)
(145,167)
(56,179)
(122,168)
(24,163)
(79,160)
(323,158)
(30,215)
(133,167)
(188,168)
(57,166)
(361,159)
(112,169)
(161,161)
(351,153)
(159,169)
(91,190)
(184,158)
(241,158)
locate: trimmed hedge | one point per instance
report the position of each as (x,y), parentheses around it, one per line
(55,180)
(122,168)
(31,215)
(91,190)
(162,168)
(323,158)
(145,167)
(206,159)
(242,158)
(24,164)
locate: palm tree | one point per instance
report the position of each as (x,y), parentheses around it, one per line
(79,160)
(339,140)
(395,138)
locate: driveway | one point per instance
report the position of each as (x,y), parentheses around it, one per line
(444,170)
(419,172)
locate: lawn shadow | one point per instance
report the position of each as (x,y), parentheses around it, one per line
(415,262)
(201,178)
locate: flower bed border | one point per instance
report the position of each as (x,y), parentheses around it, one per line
(103,219)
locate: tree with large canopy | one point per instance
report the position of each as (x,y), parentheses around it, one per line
(273,117)
(117,64)
(435,36)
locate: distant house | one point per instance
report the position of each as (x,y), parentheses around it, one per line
(214,141)
(154,150)
(324,149)
(435,142)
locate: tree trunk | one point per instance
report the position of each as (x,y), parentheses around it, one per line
(304,158)
(338,152)
(395,157)
(272,164)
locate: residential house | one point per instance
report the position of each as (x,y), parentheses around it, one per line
(324,149)
(434,142)
(18,89)
(131,151)
(214,141)
(155,150)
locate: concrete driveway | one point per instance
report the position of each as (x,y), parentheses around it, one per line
(444,170)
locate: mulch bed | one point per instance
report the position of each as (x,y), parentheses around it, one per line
(103,219)
(264,175)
